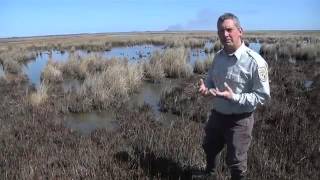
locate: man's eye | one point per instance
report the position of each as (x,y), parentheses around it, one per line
(229,29)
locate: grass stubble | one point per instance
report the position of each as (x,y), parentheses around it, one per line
(36,145)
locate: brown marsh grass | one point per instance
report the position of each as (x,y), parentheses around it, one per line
(109,88)
(13,59)
(175,62)
(202,67)
(20,55)
(35,144)
(102,42)
(40,96)
(170,63)
(291,50)
(11,66)
(153,69)
(51,73)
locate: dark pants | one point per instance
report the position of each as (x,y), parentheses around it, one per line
(234,131)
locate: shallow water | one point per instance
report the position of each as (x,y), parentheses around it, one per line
(133,53)
(197,54)
(255,46)
(87,122)
(149,94)
(34,68)
(308,84)
(1,71)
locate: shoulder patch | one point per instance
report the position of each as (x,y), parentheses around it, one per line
(263,73)
(262,66)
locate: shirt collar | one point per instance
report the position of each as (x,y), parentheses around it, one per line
(239,51)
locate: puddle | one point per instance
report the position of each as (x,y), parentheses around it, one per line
(34,68)
(197,54)
(292,60)
(255,46)
(149,94)
(1,71)
(308,84)
(85,123)
(133,53)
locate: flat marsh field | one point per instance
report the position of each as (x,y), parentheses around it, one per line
(143,88)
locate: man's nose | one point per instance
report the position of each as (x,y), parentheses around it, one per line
(226,33)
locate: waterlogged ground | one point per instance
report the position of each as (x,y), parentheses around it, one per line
(1,72)
(44,141)
(134,54)
(149,93)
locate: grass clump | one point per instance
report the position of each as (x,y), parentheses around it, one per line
(51,73)
(40,96)
(202,66)
(175,63)
(109,88)
(153,69)
(171,63)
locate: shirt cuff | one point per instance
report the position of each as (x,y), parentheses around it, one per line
(236,97)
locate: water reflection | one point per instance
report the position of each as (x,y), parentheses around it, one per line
(196,54)
(133,52)
(149,94)
(34,68)
(87,122)
(1,71)
(255,46)
(308,84)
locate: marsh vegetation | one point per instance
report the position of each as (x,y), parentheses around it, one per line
(38,142)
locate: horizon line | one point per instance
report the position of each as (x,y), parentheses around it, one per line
(163,31)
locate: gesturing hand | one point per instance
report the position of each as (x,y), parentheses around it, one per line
(227,93)
(202,88)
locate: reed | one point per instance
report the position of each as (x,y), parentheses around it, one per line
(217,46)
(175,64)
(51,73)
(202,66)
(40,96)
(109,88)
(153,69)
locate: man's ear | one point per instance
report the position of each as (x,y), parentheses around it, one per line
(241,31)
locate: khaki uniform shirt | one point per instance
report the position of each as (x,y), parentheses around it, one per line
(246,73)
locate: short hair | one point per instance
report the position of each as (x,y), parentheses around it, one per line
(226,16)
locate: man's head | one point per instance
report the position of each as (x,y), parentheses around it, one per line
(229,32)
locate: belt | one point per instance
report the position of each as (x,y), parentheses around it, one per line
(234,115)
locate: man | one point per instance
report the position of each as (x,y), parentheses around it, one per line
(237,82)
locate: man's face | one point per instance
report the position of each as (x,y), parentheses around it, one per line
(230,35)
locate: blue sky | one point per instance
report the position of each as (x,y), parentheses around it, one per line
(49,17)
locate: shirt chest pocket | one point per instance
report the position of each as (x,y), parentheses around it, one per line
(236,77)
